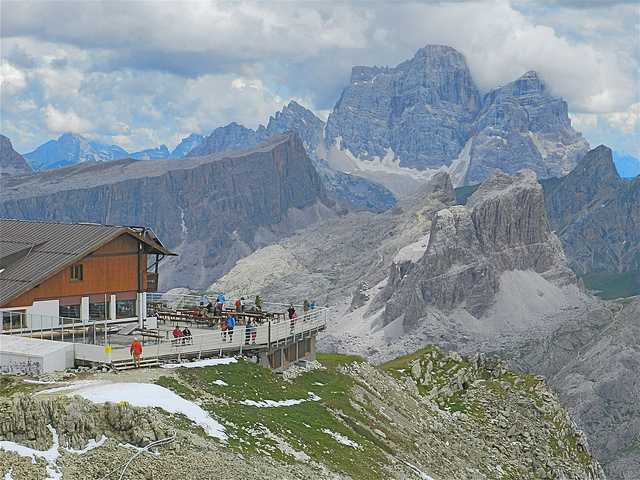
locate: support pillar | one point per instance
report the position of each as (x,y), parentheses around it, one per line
(112,307)
(84,309)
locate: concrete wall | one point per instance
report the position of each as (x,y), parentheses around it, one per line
(29,356)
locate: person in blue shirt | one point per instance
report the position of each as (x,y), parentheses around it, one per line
(220,303)
(231,324)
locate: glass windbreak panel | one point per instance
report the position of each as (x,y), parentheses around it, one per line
(13,320)
(125,308)
(69,311)
(97,311)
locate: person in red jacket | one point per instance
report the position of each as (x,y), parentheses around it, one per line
(136,351)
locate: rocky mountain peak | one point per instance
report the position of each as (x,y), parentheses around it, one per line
(419,111)
(11,162)
(502,228)
(595,204)
(597,163)
(186,145)
(295,117)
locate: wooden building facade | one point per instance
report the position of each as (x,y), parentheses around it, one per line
(76,271)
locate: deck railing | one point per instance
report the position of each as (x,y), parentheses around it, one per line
(270,334)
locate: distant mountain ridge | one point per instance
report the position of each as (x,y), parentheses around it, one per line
(71,149)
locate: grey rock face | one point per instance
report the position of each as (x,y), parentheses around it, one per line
(295,118)
(186,145)
(592,361)
(223,139)
(70,149)
(428,108)
(422,109)
(597,215)
(503,227)
(350,190)
(11,162)
(213,210)
(521,125)
(158,153)
(76,421)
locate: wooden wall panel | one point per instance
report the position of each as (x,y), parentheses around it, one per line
(112,268)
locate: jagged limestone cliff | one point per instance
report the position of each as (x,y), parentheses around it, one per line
(502,228)
(597,216)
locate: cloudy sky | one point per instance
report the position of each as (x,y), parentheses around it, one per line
(141,73)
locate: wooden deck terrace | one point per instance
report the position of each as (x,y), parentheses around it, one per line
(275,336)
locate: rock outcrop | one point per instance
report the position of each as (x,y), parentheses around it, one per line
(592,360)
(70,149)
(596,214)
(522,125)
(76,421)
(11,162)
(212,210)
(421,110)
(502,228)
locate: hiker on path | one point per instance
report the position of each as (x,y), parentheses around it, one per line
(231,324)
(136,351)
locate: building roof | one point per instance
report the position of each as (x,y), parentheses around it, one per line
(31,252)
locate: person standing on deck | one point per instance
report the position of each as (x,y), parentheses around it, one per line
(292,316)
(247,331)
(305,309)
(223,328)
(220,302)
(258,302)
(231,324)
(136,351)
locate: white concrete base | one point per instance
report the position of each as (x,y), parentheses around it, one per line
(30,356)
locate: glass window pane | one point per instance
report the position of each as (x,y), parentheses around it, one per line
(125,308)
(97,311)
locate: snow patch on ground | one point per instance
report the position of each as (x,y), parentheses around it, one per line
(338,437)
(149,395)
(50,456)
(69,386)
(280,403)
(222,383)
(202,363)
(44,382)
(458,168)
(91,444)
(8,476)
